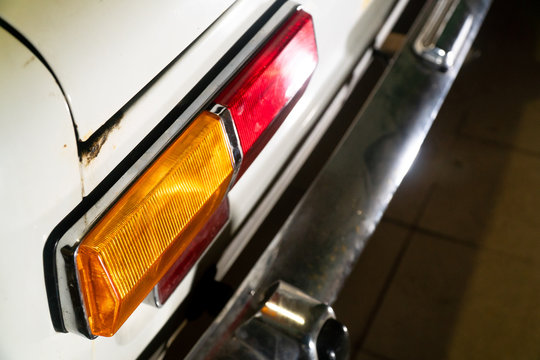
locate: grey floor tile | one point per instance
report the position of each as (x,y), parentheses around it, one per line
(362,289)
(508,123)
(489,196)
(362,355)
(503,102)
(451,301)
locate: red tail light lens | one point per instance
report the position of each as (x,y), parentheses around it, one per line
(270,81)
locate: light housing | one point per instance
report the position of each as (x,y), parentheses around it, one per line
(129,250)
(147,231)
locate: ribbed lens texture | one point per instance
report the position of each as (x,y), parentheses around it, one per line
(134,244)
(269,82)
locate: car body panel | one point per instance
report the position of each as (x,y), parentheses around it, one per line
(65,181)
(39,184)
(99,156)
(105,52)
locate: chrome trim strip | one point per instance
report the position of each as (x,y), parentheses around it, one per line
(232,136)
(316,249)
(153,297)
(81,316)
(70,305)
(442,38)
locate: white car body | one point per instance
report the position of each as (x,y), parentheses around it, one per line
(104,54)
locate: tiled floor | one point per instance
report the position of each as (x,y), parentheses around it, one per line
(453,271)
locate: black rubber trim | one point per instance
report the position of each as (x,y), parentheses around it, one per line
(49,251)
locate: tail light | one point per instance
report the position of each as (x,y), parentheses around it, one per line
(161,225)
(271,81)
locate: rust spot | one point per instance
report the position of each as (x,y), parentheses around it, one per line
(90,149)
(65,145)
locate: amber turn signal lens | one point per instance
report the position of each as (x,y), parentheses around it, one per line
(128,251)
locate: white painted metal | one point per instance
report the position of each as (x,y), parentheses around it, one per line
(40,181)
(170,88)
(105,52)
(39,185)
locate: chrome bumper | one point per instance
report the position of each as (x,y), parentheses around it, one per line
(318,245)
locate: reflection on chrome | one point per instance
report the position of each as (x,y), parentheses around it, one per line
(284,312)
(407,157)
